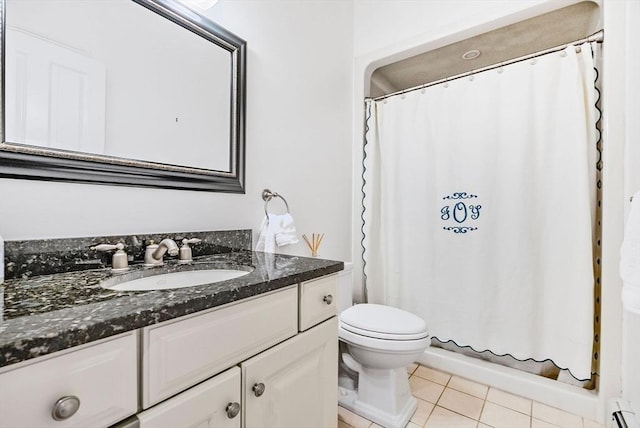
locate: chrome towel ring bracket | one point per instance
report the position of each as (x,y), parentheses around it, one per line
(267,195)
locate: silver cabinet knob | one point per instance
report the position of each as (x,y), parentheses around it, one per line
(328,299)
(258,389)
(65,408)
(232,410)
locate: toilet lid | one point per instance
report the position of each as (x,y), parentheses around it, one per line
(384,322)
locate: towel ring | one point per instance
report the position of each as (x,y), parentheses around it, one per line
(267,195)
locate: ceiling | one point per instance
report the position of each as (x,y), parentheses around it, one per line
(535,34)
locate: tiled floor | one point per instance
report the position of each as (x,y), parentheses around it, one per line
(453,402)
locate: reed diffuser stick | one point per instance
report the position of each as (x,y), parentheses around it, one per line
(307,241)
(314,244)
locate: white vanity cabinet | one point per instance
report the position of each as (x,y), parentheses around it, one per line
(266,361)
(94,386)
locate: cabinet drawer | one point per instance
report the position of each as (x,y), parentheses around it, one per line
(103,377)
(179,354)
(317,300)
(204,405)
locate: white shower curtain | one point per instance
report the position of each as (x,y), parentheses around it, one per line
(479,208)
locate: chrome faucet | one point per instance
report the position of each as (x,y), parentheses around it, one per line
(154,252)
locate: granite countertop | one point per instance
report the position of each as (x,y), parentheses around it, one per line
(48,313)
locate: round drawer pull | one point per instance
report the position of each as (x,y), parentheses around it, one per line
(232,410)
(258,389)
(65,408)
(328,299)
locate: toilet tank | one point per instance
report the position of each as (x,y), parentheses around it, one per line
(345,287)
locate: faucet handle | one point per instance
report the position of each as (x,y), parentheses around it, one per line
(108,247)
(186,255)
(119,261)
(186,241)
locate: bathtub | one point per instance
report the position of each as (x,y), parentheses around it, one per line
(567,397)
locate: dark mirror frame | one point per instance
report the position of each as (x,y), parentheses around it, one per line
(29,162)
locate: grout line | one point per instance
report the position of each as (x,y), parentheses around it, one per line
(484,402)
(531,414)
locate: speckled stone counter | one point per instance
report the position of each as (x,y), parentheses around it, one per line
(52,312)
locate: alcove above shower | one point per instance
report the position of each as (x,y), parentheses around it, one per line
(525,37)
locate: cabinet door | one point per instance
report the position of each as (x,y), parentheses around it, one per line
(207,405)
(101,378)
(299,378)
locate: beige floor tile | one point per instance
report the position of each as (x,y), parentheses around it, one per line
(481,425)
(501,417)
(422,412)
(537,423)
(468,387)
(592,424)
(412,425)
(412,368)
(425,389)
(342,424)
(350,418)
(459,402)
(513,402)
(555,416)
(432,375)
(443,418)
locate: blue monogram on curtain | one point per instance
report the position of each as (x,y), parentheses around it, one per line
(459,215)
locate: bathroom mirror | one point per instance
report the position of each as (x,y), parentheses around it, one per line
(122,92)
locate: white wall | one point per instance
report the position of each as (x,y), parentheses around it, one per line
(385,23)
(299,130)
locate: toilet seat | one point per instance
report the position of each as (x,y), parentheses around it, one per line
(380,335)
(383,322)
(383,345)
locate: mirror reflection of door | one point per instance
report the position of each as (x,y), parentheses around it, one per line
(55,94)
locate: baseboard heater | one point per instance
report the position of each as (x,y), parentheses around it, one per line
(622,415)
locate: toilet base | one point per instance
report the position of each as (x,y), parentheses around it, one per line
(348,399)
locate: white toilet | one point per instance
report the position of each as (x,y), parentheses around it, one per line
(378,343)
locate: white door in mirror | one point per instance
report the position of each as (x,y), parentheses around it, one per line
(59,98)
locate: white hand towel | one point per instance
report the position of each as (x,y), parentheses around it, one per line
(276,229)
(286,231)
(630,258)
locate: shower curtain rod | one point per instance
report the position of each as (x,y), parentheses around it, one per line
(597,37)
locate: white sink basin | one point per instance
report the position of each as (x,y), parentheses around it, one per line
(177,280)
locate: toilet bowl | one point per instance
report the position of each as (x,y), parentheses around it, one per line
(378,342)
